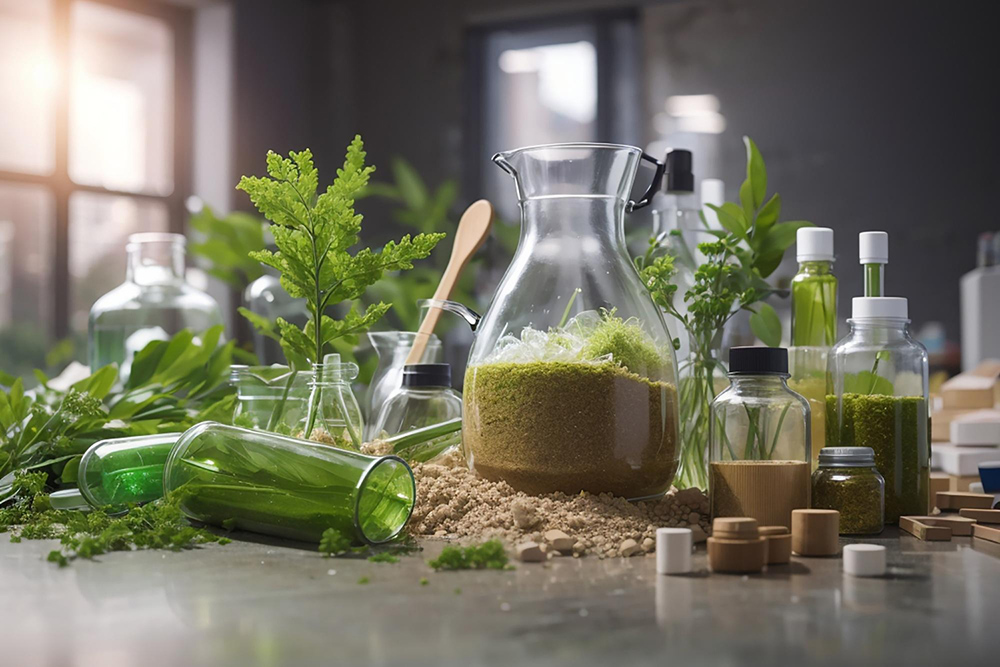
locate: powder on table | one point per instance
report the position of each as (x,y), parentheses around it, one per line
(453,502)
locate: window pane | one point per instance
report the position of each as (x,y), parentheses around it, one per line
(121,100)
(99,226)
(540,88)
(27,85)
(27,227)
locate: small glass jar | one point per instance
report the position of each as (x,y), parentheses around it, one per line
(121,471)
(270,398)
(286,487)
(848,481)
(425,398)
(153,303)
(759,440)
(877,397)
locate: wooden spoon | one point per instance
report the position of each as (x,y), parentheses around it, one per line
(472,231)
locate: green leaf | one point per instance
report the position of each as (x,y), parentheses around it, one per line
(733,222)
(780,237)
(411,187)
(756,173)
(766,218)
(766,326)
(746,199)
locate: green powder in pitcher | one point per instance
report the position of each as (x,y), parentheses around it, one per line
(896,427)
(549,426)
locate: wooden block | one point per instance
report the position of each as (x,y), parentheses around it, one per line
(960,525)
(954,501)
(773,530)
(961,483)
(779,548)
(986,533)
(939,482)
(737,556)
(982,516)
(815,532)
(923,531)
(964,392)
(941,423)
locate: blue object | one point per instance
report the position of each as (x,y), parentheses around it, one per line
(989,474)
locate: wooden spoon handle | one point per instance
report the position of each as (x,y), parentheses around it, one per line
(473,228)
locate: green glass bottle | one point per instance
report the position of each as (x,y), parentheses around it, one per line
(814,290)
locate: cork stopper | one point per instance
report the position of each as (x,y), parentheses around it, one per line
(735,528)
(737,556)
(779,544)
(815,532)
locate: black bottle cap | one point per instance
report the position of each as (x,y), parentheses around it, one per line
(427,375)
(680,178)
(758,360)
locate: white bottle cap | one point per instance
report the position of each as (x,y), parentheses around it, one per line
(713,191)
(673,550)
(889,307)
(864,560)
(873,247)
(814,244)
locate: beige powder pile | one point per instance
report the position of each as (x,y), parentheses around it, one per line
(454,503)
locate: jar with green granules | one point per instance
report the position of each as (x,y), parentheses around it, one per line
(848,481)
(877,397)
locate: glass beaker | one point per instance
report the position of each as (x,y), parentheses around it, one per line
(286,487)
(425,398)
(571,383)
(392,348)
(271,398)
(153,303)
(120,471)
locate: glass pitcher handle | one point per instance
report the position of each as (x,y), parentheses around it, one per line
(654,187)
(460,309)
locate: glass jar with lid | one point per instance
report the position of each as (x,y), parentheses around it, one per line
(425,398)
(848,481)
(877,397)
(571,382)
(153,303)
(759,440)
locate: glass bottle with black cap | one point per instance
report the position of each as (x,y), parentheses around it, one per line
(425,398)
(759,439)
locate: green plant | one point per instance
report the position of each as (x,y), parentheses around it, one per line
(488,555)
(731,278)
(227,244)
(314,235)
(173,385)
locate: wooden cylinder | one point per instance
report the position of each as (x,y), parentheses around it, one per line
(815,532)
(737,556)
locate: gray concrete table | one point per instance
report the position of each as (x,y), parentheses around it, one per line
(262,604)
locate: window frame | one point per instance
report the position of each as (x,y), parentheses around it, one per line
(179,20)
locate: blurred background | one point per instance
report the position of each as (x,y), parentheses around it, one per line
(120,116)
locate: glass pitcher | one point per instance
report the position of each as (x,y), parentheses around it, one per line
(571,383)
(153,303)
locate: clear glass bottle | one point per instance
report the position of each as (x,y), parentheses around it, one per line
(153,303)
(120,471)
(334,415)
(571,382)
(848,481)
(286,487)
(425,398)
(759,440)
(877,397)
(271,398)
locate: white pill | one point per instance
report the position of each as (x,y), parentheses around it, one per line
(864,560)
(673,550)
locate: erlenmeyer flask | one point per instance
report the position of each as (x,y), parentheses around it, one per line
(571,382)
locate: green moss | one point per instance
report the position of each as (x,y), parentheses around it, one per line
(571,427)
(628,345)
(896,427)
(486,556)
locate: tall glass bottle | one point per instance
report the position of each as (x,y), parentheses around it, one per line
(153,303)
(814,324)
(878,398)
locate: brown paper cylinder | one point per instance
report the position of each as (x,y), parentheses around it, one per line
(765,490)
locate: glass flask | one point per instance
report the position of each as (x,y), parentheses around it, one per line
(266,297)
(271,398)
(814,289)
(571,382)
(847,481)
(425,398)
(120,471)
(392,348)
(153,303)
(286,487)
(759,440)
(877,397)
(333,416)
